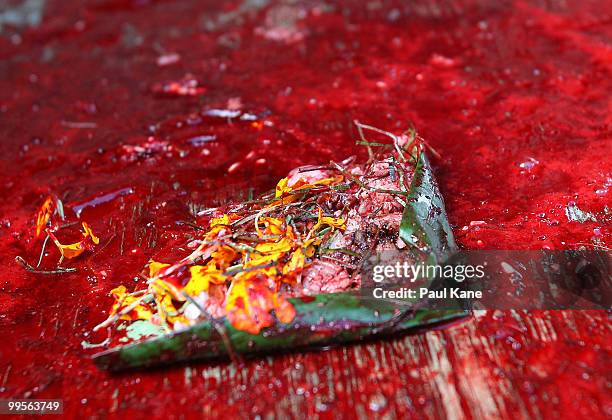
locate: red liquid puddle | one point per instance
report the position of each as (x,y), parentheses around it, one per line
(515,98)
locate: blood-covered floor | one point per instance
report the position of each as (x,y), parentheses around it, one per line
(123,109)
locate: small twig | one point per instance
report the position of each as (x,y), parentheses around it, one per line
(79,124)
(313,168)
(191,224)
(366,142)
(65,225)
(386,133)
(42,251)
(341,250)
(369,143)
(60,270)
(106,243)
(420,142)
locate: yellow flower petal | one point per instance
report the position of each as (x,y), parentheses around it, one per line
(268,252)
(310,251)
(155,267)
(224,220)
(281,187)
(161,288)
(280,246)
(335,222)
(329,221)
(295,264)
(87,232)
(201,277)
(272,226)
(123,300)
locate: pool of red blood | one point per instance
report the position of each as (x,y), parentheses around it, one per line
(108,103)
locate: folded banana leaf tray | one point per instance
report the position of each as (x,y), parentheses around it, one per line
(322,320)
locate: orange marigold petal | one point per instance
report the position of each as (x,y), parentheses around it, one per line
(44,214)
(224,256)
(250,302)
(75,249)
(72,250)
(284,310)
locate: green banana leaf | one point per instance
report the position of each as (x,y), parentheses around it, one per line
(424,224)
(321,320)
